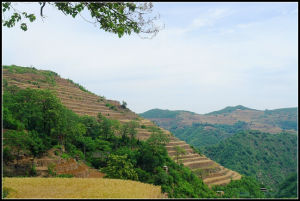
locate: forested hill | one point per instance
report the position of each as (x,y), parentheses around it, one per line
(271,121)
(54,127)
(271,158)
(229,109)
(233,137)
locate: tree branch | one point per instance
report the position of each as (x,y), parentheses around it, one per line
(42,7)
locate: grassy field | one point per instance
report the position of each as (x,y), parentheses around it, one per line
(79,188)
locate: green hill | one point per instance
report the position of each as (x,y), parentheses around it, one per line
(268,157)
(159,113)
(229,109)
(201,135)
(225,137)
(288,188)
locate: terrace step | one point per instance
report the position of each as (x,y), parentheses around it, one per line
(229,174)
(197,158)
(199,164)
(172,147)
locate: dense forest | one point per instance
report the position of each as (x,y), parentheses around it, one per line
(268,157)
(35,121)
(204,134)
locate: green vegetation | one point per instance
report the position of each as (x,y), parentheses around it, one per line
(229,109)
(247,187)
(288,188)
(48,76)
(116,17)
(270,158)
(79,86)
(124,105)
(179,151)
(110,106)
(6,191)
(201,135)
(37,122)
(65,176)
(158,113)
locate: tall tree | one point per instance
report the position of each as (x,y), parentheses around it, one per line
(116,17)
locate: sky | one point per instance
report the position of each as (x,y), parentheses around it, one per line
(207,57)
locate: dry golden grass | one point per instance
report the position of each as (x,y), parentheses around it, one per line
(79,188)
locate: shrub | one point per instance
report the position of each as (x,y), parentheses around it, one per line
(51,170)
(119,167)
(65,175)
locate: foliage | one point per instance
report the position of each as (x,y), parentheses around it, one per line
(124,105)
(110,106)
(267,157)
(178,152)
(79,86)
(51,170)
(229,109)
(65,175)
(247,187)
(114,170)
(95,140)
(49,76)
(158,113)
(204,134)
(288,188)
(116,17)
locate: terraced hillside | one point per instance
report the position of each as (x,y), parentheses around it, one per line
(211,172)
(77,98)
(83,102)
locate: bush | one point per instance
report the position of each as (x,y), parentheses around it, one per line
(119,167)
(65,175)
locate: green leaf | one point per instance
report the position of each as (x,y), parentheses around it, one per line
(24,26)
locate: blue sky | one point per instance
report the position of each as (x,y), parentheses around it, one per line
(209,56)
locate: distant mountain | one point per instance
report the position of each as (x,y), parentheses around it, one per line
(229,109)
(158,113)
(271,121)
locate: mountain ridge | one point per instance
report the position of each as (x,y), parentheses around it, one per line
(271,121)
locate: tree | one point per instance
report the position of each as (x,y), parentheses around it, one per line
(116,17)
(178,152)
(158,138)
(132,125)
(19,141)
(124,105)
(119,167)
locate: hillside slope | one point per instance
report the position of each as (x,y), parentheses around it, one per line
(269,158)
(83,102)
(271,121)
